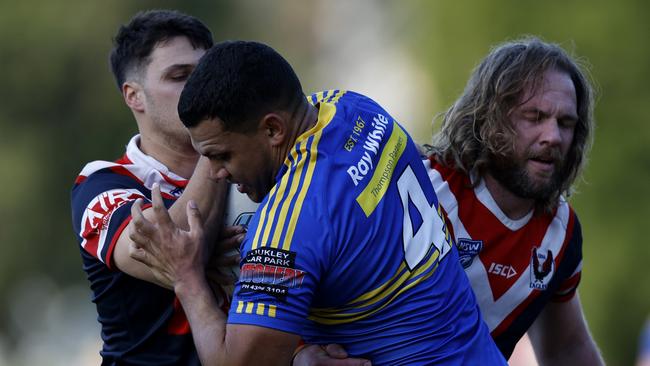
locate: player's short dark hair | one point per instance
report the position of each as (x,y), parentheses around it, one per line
(135,40)
(239,82)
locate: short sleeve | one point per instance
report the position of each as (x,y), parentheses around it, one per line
(283,260)
(569,285)
(101,210)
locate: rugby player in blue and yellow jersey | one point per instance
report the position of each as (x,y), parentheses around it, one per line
(348,244)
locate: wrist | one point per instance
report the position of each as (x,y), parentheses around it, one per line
(191,283)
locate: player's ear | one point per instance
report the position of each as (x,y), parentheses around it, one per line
(275,128)
(133,94)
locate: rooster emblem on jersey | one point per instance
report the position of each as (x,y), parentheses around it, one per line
(541,265)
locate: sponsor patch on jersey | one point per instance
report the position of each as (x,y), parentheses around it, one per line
(542,267)
(271,271)
(503,270)
(371,147)
(467,250)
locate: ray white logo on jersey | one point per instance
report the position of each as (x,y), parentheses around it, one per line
(371,145)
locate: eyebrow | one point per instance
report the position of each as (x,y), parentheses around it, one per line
(175,67)
(571,116)
(214,149)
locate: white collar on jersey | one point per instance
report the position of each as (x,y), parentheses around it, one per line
(485,197)
(136,155)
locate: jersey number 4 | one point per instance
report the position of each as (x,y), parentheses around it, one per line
(432,232)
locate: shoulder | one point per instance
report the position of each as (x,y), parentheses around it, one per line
(346,104)
(449,183)
(336,96)
(104,176)
(573,224)
(103,186)
(446,172)
(95,167)
(565,214)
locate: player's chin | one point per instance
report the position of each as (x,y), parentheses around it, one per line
(543,188)
(253,196)
(257,192)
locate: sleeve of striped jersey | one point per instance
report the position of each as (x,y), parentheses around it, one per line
(568,287)
(101,210)
(311,244)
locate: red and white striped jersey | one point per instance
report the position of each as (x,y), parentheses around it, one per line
(515,266)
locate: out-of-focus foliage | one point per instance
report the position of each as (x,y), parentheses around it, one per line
(59,108)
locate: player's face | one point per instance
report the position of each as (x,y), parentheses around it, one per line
(164,78)
(544,125)
(242,159)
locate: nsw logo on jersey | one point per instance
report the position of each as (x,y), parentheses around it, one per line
(542,267)
(467,250)
(271,271)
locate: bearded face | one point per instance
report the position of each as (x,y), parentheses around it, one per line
(512,172)
(544,124)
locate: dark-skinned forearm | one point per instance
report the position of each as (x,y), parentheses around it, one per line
(207,320)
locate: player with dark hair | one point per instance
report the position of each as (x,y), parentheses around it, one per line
(136,40)
(142,322)
(348,243)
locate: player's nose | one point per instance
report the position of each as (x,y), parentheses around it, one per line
(551,132)
(219,172)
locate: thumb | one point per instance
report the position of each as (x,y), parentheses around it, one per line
(336,351)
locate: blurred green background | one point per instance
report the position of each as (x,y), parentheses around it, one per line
(59,108)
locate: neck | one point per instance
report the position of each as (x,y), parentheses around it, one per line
(181,160)
(306,117)
(512,205)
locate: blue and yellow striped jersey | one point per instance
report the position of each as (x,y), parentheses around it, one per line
(350,247)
